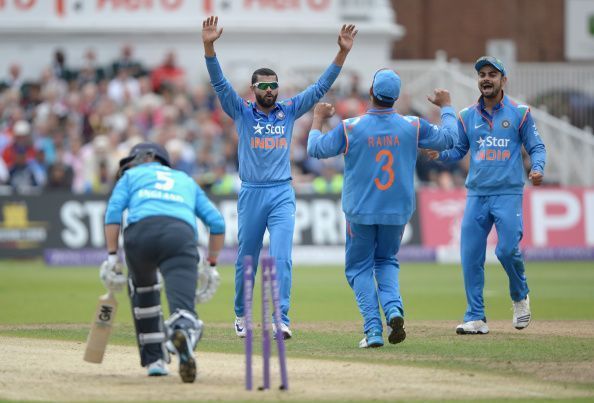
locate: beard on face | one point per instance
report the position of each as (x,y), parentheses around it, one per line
(265,101)
(492,92)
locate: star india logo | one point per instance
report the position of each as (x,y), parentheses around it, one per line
(258,128)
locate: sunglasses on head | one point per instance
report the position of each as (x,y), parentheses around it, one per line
(265,85)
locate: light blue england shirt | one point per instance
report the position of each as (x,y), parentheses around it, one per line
(152,189)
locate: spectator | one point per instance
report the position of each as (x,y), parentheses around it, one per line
(4,173)
(167,74)
(14,80)
(22,174)
(181,156)
(224,183)
(21,145)
(60,177)
(90,72)
(123,88)
(59,67)
(330,182)
(126,60)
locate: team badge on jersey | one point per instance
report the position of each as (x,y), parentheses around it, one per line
(280,115)
(505,124)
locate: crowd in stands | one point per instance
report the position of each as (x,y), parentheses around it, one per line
(67,130)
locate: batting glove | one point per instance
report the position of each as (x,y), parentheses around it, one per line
(111,274)
(208,282)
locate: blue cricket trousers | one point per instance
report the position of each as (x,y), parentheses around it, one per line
(372,270)
(505,211)
(260,207)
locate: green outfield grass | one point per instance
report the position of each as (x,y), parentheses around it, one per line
(58,303)
(31,293)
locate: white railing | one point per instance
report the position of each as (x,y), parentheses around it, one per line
(570,150)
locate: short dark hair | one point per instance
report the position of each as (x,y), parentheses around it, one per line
(385,104)
(263,71)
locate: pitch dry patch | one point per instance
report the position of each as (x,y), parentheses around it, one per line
(54,370)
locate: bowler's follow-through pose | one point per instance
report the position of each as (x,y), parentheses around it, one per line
(378,197)
(162,205)
(494,131)
(266,199)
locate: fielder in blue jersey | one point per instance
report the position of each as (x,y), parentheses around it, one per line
(162,205)
(266,198)
(378,197)
(494,130)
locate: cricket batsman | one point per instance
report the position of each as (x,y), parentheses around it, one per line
(162,205)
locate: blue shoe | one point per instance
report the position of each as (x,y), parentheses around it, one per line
(396,322)
(373,339)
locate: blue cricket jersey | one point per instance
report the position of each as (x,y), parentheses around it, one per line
(152,189)
(495,143)
(265,140)
(380,153)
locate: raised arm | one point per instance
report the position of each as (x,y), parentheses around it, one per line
(346,38)
(210,33)
(305,100)
(444,136)
(230,101)
(325,145)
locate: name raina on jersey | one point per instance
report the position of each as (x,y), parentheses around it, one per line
(382,141)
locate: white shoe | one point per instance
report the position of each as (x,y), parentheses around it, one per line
(473,327)
(239,326)
(522,314)
(287,334)
(157,368)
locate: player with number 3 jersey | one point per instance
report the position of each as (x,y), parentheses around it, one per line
(378,198)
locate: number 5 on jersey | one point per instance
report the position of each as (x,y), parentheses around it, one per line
(165,181)
(385,167)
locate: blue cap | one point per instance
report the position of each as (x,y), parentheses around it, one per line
(491,61)
(386,85)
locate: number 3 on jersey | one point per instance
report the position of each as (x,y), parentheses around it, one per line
(385,167)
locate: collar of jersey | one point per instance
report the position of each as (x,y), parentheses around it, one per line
(276,107)
(501,104)
(378,111)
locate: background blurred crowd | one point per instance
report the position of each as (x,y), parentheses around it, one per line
(67,130)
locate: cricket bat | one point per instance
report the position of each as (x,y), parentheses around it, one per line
(101,328)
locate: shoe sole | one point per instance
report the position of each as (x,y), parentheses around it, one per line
(187,363)
(523,323)
(398,334)
(462,331)
(376,342)
(286,336)
(160,373)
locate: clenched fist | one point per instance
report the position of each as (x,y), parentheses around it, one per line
(323,110)
(440,98)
